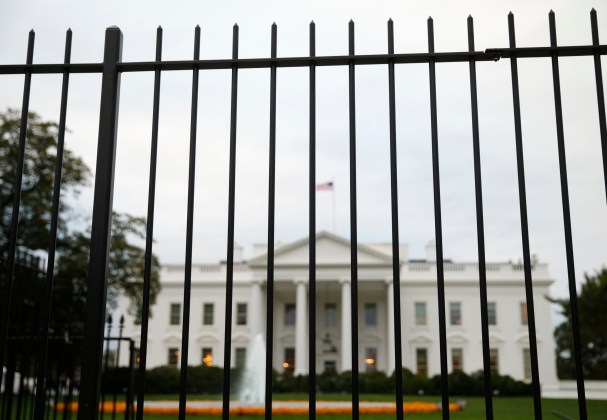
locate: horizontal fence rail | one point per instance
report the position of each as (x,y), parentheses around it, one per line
(490,54)
(112,67)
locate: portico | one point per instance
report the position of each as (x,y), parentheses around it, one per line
(334,305)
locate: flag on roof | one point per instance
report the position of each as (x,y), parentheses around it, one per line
(325,186)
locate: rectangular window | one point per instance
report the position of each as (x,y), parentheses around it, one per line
(455,312)
(207,356)
(241,357)
(492,313)
(370,359)
(526,364)
(175,314)
(421,356)
(457,359)
(289,363)
(290,314)
(173,356)
(241,314)
(330,315)
(370,314)
(524,313)
(420,313)
(208,313)
(494,361)
(330,366)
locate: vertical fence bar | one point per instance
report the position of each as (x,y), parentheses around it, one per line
(271,218)
(88,407)
(22,372)
(32,401)
(353,227)
(560,135)
(131,385)
(312,235)
(49,397)
(12,240)
(29,401)
(438,230)
(67,399)
(117,363)
(106,360)
(56,391)
(9,381)
(600,93)
(480,228)
(50,270)
(230,260)
(149,237)
(398,352)
(187,288)
(537,402)
(70,396)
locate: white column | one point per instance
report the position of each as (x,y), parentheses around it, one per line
(390,332)
(301,328)
(346,326)
(255,308)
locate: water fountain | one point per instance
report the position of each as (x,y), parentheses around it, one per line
(252,388)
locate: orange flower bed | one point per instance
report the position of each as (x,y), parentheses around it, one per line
(388,408)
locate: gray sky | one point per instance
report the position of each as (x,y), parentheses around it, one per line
(138,21)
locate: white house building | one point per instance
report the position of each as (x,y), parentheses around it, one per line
(509,344)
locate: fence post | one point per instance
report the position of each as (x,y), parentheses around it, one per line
(101,228)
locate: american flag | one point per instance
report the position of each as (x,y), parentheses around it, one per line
(325,186)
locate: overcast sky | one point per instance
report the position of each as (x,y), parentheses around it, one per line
(138,21)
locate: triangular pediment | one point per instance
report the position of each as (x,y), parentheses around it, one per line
(331,249)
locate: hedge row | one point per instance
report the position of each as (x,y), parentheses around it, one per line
(208,380)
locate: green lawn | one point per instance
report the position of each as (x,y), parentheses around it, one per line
(513,408)
(504,408)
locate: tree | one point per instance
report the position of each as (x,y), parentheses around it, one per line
(126,264)
(37,185)
(592,301)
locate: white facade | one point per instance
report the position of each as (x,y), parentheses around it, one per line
(419,312)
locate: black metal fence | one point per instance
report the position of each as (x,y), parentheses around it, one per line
(111,69)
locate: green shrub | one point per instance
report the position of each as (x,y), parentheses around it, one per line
(162,380)
(375,383)
(115,380)
(208,380)
(506,386)
(328,382)
(205,379)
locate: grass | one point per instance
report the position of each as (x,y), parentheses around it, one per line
(511,408)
